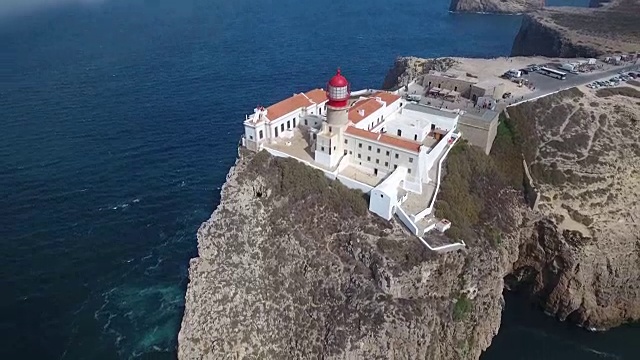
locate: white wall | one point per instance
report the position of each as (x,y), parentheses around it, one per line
(353,149)
(353,184)
(406,221)
(408,130)
(381,204)
(371,120)
(392,108)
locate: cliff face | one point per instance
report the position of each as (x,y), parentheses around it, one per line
(612,27)
(538,38)
(407,68)
(291,266)
(583,260)
(496,6)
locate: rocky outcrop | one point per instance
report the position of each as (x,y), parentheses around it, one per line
(405,69)
(538,38)
(582,262)
(496,6)
(288,267)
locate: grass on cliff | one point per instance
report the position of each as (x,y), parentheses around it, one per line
(475,191)
(298,183)
(471,194)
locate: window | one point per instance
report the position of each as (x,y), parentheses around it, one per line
(397,156)
(334,148)
(276,131)
(409,171)
(378,151)
(415,137)
(377,161)
(368,158)
(250,137)
(350,152)
(360,145)
(369,148)
(314,135)
(329,128)
(455,88)
(345,152)
(410,159)
(294,122)
(305,122)
(261,134)
(359,156)
(433,126)
(282,127)
(440,85)
(387,152)
(320,111)
(288,124)
(346,141)
(399,132)
(395,166)
(322,148)
(386,164)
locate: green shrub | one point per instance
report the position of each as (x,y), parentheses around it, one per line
(462,307)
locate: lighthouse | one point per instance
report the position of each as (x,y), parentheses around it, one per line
(329,145)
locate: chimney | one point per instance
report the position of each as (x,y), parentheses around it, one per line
(361,112)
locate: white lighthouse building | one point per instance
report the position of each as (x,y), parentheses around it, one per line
(330,140)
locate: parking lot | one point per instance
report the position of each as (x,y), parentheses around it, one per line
(544,84)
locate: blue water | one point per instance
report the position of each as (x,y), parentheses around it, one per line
(119,120)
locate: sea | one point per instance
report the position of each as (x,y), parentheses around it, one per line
(119,120)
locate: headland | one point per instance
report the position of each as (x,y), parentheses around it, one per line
(386,223)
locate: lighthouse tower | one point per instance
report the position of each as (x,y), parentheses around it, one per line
(329,144)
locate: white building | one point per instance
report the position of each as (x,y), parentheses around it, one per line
(377,141)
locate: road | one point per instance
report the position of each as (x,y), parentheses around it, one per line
(546,85)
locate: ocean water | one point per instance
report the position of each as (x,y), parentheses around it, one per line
(118,122)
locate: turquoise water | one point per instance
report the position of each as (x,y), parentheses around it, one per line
(119,122)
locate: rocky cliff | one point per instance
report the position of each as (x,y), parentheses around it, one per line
(583,261)
(496,6)
(292,266)
(580,32)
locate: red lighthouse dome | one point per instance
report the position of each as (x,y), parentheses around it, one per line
(338,90)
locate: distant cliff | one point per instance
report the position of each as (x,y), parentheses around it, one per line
(496,6)
(539,38)
(580,32)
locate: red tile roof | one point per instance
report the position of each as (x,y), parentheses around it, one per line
(387,97)
(368,105)
(318,96)
(286,106)
(398,142)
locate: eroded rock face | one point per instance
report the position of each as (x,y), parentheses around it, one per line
(580,32)
(583,259)
(537,37)
(407,68)
(496,6)
(283,279)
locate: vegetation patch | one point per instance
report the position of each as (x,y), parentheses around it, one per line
(471,196)
(624,91)
(462,307)
(303,185)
